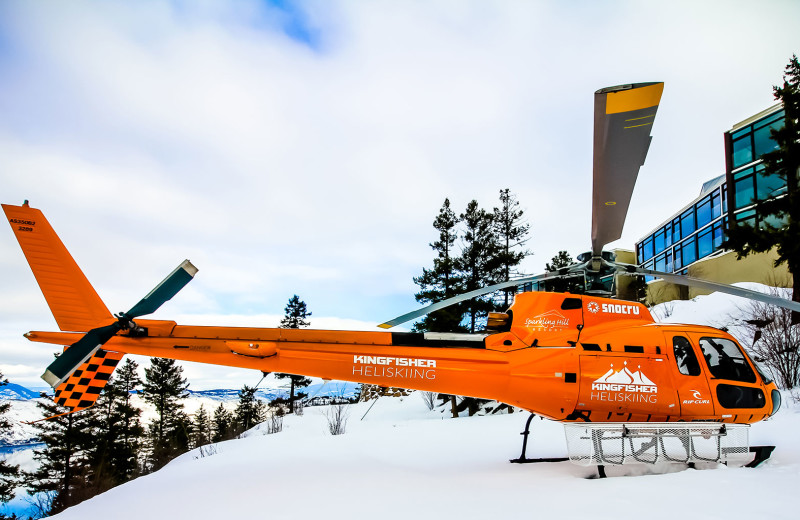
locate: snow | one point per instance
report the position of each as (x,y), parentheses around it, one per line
(404,461)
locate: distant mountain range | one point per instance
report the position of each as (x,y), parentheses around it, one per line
(13,391)
(331,389)
(18,392)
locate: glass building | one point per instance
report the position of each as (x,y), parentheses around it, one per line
(698,229)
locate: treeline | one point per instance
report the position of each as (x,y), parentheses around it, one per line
(91,451)
(475,248)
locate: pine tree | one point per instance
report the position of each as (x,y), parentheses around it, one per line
(295,318)
(779,225)
(222,424)
(572,284)
(164,387)
(295,314)
(203,431)
(9,474)
(249,410)
(63,459)
(126,383)
(478,263)
(511,232)
(561,260)
(443,280)
(113,456)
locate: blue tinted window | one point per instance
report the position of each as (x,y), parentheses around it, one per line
(737,134)
(742,151)
(704,244)
(770,186)
(658,241)
(725,198)
(648,248)
(676,230)
(689,251)
(704,212)
(746,217)
(661,263)
(687,223)
(718,236)
(678,263)
(744,192)
(716,205)
(763,140)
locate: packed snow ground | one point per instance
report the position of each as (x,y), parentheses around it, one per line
(403,461)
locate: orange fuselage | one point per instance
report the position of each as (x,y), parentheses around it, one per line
(563,356)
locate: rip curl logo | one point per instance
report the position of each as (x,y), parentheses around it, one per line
(698,398)
(548,322)
(624,386)
(593,307)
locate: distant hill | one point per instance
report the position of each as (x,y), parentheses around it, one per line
(18,392)
(331,389)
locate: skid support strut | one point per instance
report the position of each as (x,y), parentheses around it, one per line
(523,459)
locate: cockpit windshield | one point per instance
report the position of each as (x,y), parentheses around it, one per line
(726,361)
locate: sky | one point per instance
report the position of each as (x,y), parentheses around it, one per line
(306,147)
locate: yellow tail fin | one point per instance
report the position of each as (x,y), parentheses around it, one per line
(72,299)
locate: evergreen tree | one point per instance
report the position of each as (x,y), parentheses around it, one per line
(561,260)
(779,224)
(126,383)
(221,424)
(63,459)
(443,280)
(511,232)
(9,474)
(117,431)
(249,410)
(203,431)
(572,284)
(164,387)
(478,263)
(295,314)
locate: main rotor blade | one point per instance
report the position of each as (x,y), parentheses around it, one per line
(714,286)
(623,117)
(77,354)
(164,291)
(561,273)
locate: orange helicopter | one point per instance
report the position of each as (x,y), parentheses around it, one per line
(591,360)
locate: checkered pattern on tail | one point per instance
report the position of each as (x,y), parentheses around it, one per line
(83,387)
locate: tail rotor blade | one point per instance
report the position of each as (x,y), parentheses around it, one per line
(77,354)
(164,291)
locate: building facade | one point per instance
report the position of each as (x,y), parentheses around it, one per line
(695,234)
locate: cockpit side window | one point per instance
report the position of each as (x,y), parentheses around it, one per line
(685,357)
(726,361)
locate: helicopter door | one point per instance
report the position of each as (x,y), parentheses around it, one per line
(692,385)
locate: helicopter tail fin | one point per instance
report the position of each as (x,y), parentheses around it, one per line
(72,299)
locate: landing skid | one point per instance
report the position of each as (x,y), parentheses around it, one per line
(651,443)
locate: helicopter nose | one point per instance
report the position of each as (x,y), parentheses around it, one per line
(776,401)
